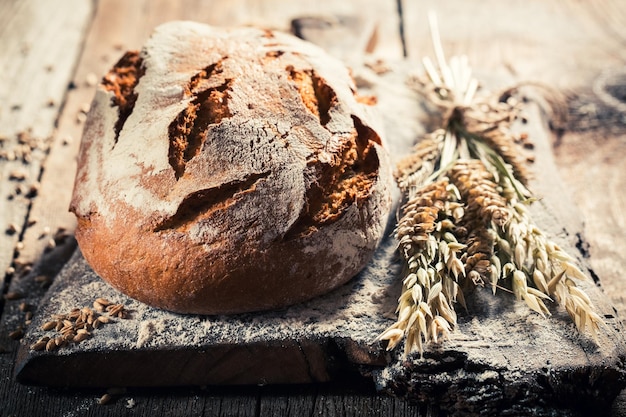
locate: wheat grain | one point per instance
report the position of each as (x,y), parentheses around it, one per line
(76,326)
(465,221)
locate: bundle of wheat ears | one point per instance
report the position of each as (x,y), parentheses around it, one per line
(465,219)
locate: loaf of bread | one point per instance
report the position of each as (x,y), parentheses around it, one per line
(227,171)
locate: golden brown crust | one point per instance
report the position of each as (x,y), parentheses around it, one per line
(246,176)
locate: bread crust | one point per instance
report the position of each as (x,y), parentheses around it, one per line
(228,171)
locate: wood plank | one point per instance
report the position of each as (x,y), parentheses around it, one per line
(594,172)
(590,156)
(350,403)
(40,42)
(561,43)
(291,400)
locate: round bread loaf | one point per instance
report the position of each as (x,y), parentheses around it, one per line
(227,171)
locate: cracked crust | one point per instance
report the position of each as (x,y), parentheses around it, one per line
(242,174)
(121,81)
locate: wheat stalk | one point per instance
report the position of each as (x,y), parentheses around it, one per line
(466,222)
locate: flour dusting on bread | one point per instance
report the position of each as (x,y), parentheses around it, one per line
(229,170)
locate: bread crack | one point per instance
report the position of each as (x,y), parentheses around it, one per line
(316,94)
(121,80)
(197,82)
(345,181)
(203,203)
(188,131)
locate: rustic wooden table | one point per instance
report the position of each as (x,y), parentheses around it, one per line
(52,54)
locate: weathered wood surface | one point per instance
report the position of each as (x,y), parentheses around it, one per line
(39,45)
(596,37)
(564,44)
(577,48)
(483,369)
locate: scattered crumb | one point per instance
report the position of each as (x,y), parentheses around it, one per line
(11,229)
(13,295)
(18,175)
(33,190)
(17,334)
(24,150)
(105,399)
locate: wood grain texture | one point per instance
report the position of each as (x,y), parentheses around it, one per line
(595,167)
(39,46)
(561,43)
